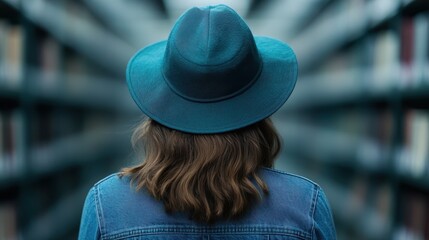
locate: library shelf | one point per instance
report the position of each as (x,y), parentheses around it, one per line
(417,93)
(347,88)
(12,4)
(415,6)
(9,89)
(85,93)
(9,179)
(356,217)
(62,217)
(349,25)
(73,108)
(385,57)
(80,33)
(348,213)
(334,147)
(8,10)
(147,23)
(421,182)
(81,149)
(340,149)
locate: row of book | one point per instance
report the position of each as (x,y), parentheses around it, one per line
(414,212)
(370,204)
(58,123)
(401,59)
(11,54)
(415,49)
(8,219)
(367,207)
(362,207)
(391,57)
(11,141)
(413,157)
(49,66)
(369,136)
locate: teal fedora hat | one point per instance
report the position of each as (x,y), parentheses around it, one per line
(211,75)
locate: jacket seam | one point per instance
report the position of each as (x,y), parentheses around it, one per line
(313,210)
(202,230)
(290,174)
(106,178)
(100,215)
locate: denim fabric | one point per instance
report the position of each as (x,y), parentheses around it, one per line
(295,208)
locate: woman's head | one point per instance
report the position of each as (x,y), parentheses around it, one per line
(210,176)
(208,89)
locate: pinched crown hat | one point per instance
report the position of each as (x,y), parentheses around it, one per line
(211,75)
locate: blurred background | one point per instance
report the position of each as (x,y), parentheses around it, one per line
(357,123)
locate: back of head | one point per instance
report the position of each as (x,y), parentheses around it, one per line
(209,88)
(209,176)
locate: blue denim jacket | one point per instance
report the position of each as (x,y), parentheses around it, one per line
(295,208)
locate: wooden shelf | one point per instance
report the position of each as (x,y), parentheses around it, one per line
(421,182)
(81,34)
(8,179)
(417,93)
(360,221)
(332,146)
(88,93)
(9,89)
(76,150)
(62,217)
(415,6)
(347,88)
(337,30)
(81,149)
(340,149)
(9,9)
(345,213)
(54,32)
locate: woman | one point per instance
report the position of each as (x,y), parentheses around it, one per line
(209,145)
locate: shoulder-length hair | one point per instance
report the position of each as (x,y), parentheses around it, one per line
(209,176)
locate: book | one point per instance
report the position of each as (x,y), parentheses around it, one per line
(407,50)
(413,156)
(11,139)
(414,222)
(420,57)
(8,221)
(49,61)
(11,45)
(386,66)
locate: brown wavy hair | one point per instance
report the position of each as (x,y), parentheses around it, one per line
(210,176)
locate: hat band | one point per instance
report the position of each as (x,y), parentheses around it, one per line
(201,83)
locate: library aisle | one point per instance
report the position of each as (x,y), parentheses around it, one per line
(357,122)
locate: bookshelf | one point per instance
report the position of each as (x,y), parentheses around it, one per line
(65,114)
(358,121)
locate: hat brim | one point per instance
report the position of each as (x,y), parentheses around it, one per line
(266,95)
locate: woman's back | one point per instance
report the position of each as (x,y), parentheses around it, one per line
(208,92)
(295,208)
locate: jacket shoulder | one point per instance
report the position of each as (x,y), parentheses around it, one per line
(285,176)
(114,179)
(121,206)
(291,200)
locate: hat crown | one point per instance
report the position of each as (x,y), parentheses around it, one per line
(200,35)
(211,55)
